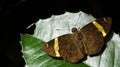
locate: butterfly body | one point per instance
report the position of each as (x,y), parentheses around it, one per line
(87,41)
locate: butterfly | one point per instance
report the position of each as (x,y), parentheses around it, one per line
(89,40)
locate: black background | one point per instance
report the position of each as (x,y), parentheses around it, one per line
(16,15)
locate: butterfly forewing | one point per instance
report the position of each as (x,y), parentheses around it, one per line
(68,48)
(105,22)
(93,37)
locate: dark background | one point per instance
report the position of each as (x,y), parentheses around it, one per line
(16,15)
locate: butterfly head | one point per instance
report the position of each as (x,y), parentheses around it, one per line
(74,30)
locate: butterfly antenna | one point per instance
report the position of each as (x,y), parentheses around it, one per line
(61,29)
(78,20)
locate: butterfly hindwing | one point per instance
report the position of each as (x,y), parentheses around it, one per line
(72,52)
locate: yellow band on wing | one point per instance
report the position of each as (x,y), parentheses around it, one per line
(47,45)
(56,47)
(99,27)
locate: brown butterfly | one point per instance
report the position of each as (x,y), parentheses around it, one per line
(89,40)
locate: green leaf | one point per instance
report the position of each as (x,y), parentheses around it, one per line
(35,57)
